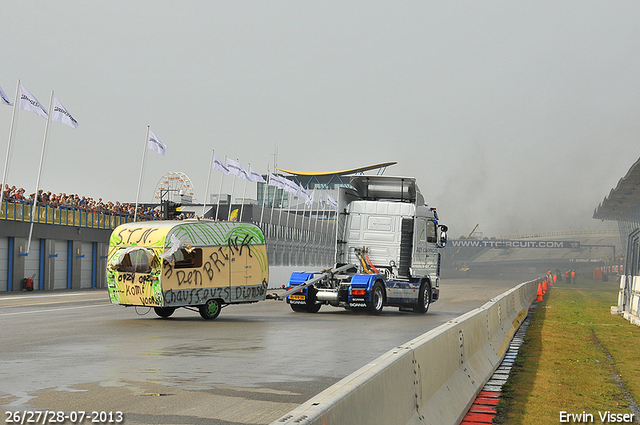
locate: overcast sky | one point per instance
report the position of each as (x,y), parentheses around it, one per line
(517,116)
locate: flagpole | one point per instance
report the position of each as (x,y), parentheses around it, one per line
(288,208)
(323,220)
(310,212)
(311,209)
(335,232)
(284,231)
(321,234)
(44,144)
(312,235)
(295,217)
(144,156)
(275,192)
(315,231)
(264,194)
(220,190)
(279,205)
(308,228)
(233,188)
(304,209)
(14,120)
(206,191)
(244,191)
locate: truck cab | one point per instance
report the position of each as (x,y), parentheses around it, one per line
(387,243)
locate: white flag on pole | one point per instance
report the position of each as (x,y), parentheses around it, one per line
(287,188)
(236,169)
(276,181)
(303,194)
(4,99)
(155,144)
(61,114)
(290,186)
(28,102)
(332,202)
(218,165)
(310,200)
(254,176)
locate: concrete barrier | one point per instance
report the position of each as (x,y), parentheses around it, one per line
(432,379)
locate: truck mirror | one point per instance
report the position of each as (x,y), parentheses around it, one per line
(443,236)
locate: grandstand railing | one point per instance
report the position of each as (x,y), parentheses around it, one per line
(63,216)
(295,244)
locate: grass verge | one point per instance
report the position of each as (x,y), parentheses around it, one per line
(574,357)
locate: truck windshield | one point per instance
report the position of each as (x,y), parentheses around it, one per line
(431,232)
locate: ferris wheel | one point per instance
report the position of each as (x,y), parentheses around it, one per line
(174,183)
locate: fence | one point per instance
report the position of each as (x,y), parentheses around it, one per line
(17,211)
(305,242)
(292,239)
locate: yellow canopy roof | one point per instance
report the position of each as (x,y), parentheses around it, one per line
(342,172)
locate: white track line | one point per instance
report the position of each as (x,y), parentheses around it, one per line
(52,309)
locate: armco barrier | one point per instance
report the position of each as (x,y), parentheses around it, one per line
(432,379)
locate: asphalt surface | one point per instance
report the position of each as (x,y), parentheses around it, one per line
(75,352)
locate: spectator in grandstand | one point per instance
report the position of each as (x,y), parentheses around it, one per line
(74,201)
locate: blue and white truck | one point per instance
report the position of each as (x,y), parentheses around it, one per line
(387,251)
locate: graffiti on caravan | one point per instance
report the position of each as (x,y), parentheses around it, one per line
(196,296)
(227,294)
(504,244)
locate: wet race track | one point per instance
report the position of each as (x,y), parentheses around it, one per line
(74,351)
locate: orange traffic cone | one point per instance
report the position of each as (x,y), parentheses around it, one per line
(539,292)
(544,287)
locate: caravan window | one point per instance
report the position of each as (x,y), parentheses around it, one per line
(188,259)
(134,261)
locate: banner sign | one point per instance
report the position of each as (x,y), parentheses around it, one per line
(504,244)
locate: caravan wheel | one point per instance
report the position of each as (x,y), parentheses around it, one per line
(164,312)
(210,310)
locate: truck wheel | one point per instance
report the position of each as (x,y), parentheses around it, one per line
(210,310)
(312,306)
(298,308)
(164,312)
(377,299)
(424,299)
